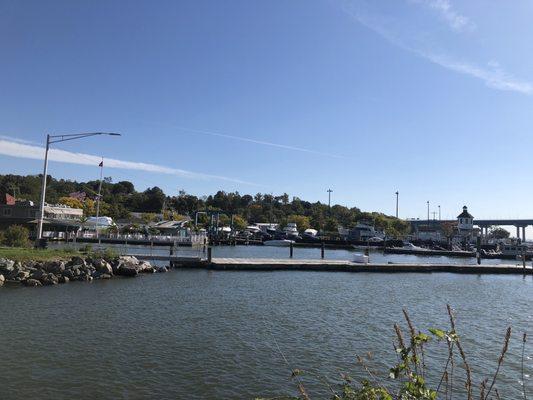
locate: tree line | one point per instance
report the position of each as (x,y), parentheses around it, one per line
(120,199)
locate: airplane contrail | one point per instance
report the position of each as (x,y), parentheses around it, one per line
(255,141)
(14,148)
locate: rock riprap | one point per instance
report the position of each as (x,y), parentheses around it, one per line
(37,273)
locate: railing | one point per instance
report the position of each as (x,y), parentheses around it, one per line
(192,239)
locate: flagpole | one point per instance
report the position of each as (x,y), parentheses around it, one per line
(101,165)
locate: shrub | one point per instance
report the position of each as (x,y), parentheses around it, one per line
(16,236)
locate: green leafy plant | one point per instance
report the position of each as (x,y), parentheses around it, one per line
(407,379)
(16,236)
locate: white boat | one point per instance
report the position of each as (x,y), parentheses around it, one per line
(291,229)
(360,258)
(411,246)
(278,243)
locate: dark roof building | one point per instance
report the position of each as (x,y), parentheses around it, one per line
(465,213)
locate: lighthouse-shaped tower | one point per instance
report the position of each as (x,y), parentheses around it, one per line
(465,222)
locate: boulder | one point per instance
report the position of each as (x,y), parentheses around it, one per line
(161,269)
(104,267)
(125,270)
(76,261)
(22,275)
(32,282)
(2,279)
(38,274)
(49,279)
(63,279)
(68,274)
(6,265)
(146,268)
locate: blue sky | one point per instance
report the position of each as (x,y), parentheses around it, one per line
(429,97)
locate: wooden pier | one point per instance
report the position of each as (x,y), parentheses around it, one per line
(275,264)
(264,264)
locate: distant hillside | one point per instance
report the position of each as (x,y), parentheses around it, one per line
(121,198)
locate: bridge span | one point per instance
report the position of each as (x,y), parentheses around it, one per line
(483,224)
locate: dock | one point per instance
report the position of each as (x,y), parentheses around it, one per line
(323,265)
(265,264)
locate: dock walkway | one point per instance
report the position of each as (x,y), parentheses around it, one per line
(267,264)
(291,264)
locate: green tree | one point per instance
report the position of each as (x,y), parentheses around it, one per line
(499,233)
(16,236)
(239,223)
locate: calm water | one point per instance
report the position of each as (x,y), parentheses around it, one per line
(214,334)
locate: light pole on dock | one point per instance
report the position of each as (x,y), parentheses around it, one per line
(428,212)
(439,212)
(397,194)
(50,139)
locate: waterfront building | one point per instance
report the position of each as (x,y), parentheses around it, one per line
(465,224)
(57,217)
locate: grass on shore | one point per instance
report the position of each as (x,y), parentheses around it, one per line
(25,254)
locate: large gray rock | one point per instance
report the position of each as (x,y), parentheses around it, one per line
(22,275)
(125,270)
(49,279)
(2,279)
(63,279)
(146,268)
(76,261)
(32,282)
(6,265)
(38,275)
(103,267)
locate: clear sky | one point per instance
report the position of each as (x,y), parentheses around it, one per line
(429,97)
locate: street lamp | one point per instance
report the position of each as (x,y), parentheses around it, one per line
(428,212)
(329,197)
(397,194)
(56,139)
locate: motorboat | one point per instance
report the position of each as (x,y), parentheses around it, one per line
(411,246)
(291,230)
(278,242)
(360,258)
(375,239)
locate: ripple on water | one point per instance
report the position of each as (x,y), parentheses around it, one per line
(200,334)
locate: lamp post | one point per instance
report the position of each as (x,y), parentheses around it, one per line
(397,194)
(50,139)
(439,212)
(329,197)
(428,212)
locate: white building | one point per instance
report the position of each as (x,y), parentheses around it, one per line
(465,223)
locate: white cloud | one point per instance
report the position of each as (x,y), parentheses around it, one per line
(13,148)
(455,21)
(255,141)
(493,76)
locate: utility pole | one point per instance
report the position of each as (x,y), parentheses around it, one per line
(101,165)
(439,212)
(397,194)
(329,197)
(428,212)
(50,139)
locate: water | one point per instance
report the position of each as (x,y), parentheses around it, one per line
(215,334)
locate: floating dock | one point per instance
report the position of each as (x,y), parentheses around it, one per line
(290,264)
(266,264)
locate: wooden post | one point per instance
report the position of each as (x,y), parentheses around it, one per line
(171,263)
(322,249)
(524,258)
(209,254)
(478,252)
(291,247)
